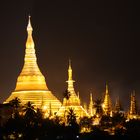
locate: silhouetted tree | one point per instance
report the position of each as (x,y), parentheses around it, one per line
(29,113)
(106,121)
(15,103)
(66,94)
(118,118)
(98,131)
(14,126)
(98,106)
(85,122)
(118,122)
(133,127)
(29,119)
(72,128)
(71,117)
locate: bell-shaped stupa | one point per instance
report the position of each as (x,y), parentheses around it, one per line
(72,101)
(31,85)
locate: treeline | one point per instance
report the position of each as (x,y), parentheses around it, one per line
(28,123)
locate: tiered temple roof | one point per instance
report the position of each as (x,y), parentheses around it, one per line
(31,85)
(107,107)
(73,100)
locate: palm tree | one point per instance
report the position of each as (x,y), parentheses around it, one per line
(15,103)
(133,128)
(14,125)
(29,121)
(71,117)
(98,106)
(29,113)
(39,114)
(66,94)
(73,128)
(86,123)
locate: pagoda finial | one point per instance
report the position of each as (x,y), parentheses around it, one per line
(91,97)
(69,63)
(90,109)
(106,91)
(70,80)
(29,26)
(70,71)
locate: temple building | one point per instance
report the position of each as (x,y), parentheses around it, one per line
(107,107)
(133,107)
(31,85)
(118,107)
(72,101)
(91,108)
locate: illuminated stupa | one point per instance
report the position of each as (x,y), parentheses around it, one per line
(73,101)
(107,109)
(133,107)
(91,109)
(31,85)
(118,107)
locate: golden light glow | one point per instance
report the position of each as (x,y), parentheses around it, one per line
(107,102)
(91,109)
(30,77)
(31,85)
(133,108)
(73,101)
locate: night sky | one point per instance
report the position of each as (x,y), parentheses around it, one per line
(100,37)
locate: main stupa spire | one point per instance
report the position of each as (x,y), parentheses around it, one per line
(30,77)
(29,27)
(31,85)
(70,80)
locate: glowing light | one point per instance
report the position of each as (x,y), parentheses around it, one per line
(31,85)
(73,101)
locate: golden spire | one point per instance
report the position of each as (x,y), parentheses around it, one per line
(29,27)
(107,102)
(31,85)
(90,110)
(118,105)
(91,98)
(70,71)
(30,77)
(133,107)
(70,80)
(73,101)
(106,91)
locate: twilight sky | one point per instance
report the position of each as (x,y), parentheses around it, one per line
(100,37)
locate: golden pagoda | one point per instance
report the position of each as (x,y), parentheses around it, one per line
(107,109)
(91,109)
(31,85)
(118,107)
(73,100)
(133,107)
